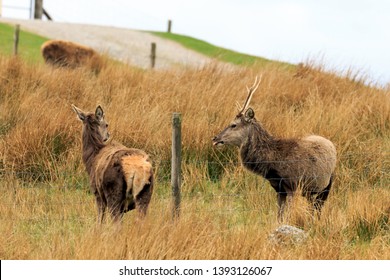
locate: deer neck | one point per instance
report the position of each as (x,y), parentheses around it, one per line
(256,151)
(92,144)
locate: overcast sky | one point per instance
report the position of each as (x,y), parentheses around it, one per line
(341,34)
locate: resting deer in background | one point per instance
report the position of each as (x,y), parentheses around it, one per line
(308,163)
(121,178)
(72,55)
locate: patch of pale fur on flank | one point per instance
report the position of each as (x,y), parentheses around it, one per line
(137,170)
(326,155)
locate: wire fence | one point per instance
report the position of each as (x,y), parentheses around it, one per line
(382,166)
(21,9)
(194,172)
(39,207)
(16,7)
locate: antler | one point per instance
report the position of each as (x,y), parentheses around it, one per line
(250,90)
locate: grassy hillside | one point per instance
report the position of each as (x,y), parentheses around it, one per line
(29,43)
(227,213)
(29,47)
(214,51)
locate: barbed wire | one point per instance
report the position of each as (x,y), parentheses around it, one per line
(186,179)
(18,174)
(386,155)
(52,175)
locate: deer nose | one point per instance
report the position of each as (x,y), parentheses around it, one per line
(216,141)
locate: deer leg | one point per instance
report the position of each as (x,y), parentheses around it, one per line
(284,194)
(115,208)
(281,204)
(284,200)
(321,198)
(101,205)
(115,195)
(142,200)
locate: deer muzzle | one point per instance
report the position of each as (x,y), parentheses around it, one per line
(217,141)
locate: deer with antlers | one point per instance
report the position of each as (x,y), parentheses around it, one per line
(288,164)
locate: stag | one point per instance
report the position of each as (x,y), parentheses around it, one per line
(288,164)
(121,178)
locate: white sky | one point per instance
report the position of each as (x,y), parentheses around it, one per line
(341,34)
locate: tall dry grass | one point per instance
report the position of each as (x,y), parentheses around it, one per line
(47,211)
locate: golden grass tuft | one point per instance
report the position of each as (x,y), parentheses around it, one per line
(227,213)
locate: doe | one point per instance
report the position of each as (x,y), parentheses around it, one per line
(121,178)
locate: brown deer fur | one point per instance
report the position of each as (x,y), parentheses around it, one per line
(288,164)
(121,178)
(69,54)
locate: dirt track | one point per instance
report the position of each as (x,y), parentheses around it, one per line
(126,45)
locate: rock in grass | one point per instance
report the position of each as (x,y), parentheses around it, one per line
(288,234)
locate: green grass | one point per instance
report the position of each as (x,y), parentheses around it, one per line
(29,43)
(214,51)
(29,47)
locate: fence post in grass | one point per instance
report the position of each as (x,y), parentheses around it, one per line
(176,164)
(153,55)
(16,39)
(169,26)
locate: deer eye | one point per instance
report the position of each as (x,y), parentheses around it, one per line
(233,126)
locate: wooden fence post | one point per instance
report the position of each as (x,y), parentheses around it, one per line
(153,55)
(169,26)
(176,164)
(38,10)
(16,39)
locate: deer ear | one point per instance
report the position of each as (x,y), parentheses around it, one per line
(249,114)
(79,112)
(99,113)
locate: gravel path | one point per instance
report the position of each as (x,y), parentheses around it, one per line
(126,45)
